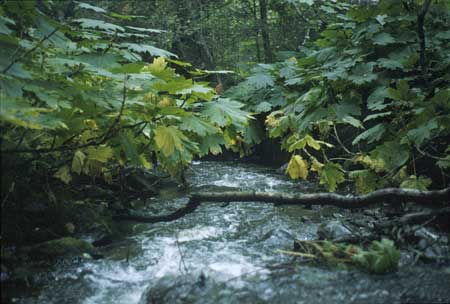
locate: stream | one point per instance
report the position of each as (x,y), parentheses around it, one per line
(227,253)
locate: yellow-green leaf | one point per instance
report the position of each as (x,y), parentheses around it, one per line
(78,162)
(365,180)
(312,142)
(64,174)
(316,165)
(145,163)
(169,139)
(414,182)
(297,167)
(101,153)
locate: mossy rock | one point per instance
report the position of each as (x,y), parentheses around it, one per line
(62,247)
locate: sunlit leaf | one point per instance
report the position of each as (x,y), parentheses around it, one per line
(78,162)
(297,167)
(169,139)
(63,174)
(100,153)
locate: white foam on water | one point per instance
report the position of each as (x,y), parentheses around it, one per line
(198,233)
(234,270)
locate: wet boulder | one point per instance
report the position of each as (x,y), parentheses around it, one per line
(334,230)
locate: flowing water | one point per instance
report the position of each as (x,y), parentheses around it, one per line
(227,253)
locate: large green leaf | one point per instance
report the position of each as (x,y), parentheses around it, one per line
(91,7)
(99,24)
(197,125)
(371,135)
(211,144)
(331,175)
(260,80)
(376,100)
(150,49)
(383,39)
(130,149)
(169,140)
(225,111)
(4,21)
(363,73)
(392,153)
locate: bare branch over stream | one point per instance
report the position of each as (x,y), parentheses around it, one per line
(388,195)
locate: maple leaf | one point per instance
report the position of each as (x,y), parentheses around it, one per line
(297,167)
(169,139)
(331,175)
(101,153)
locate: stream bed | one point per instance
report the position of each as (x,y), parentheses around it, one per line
(227,253)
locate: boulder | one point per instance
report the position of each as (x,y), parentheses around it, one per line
(334,230)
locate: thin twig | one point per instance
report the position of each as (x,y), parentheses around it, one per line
(340,142)
(5,70)
(94,142)
(181,253)
(431,156)
(122,107)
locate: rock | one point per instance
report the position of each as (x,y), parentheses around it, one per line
(70,228)
(435,252)
(282,169)
(423,244)
(425,233)
(333,230)
(104,241)
(66,246)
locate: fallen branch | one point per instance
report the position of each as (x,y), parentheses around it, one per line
(415,218)
(388,195)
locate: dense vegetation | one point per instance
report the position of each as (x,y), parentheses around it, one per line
(356,92)
(368,85)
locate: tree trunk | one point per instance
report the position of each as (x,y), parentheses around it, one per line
(255,17)
(388,195)
(265,31)
(204,45)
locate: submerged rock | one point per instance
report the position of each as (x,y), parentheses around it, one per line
(334,230)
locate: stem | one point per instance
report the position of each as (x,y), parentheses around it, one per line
(5,70)
(122,106)
(94,142)
(340,142)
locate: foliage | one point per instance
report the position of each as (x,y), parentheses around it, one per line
(365,98)
(381,256)
(83,93)
(365,101)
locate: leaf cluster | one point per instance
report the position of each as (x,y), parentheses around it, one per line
(366,92)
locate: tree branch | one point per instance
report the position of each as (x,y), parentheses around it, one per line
(391,195)
(122,107)
(94,142)
(5,70)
